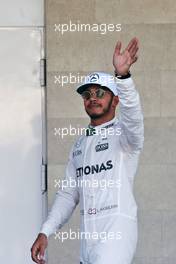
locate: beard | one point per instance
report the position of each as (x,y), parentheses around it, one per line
(105,110)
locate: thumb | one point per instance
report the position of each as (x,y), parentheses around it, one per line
(118,47)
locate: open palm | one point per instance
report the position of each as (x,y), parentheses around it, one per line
(123,60)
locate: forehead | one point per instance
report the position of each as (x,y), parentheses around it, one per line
(92,87)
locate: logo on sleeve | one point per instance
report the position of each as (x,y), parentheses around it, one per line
(77,152)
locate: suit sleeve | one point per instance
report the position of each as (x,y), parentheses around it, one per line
(130,116)
(66,200)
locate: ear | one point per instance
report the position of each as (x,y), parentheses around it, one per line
(115,101)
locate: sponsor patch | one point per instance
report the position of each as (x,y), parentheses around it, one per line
(101,147)
(97,168)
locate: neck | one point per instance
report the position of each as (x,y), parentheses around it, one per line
(102,120)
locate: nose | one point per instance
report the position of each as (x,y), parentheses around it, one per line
(93,96)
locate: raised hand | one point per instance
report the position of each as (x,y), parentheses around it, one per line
(123,60)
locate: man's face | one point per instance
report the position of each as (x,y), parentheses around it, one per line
(98,107)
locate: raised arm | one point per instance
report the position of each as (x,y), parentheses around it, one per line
(130,115)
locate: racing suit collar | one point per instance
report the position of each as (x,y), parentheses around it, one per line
(106,124)
(91,130)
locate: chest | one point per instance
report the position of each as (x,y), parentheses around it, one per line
(96,155)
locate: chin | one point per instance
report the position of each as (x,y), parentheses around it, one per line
(95,112)
(95,115)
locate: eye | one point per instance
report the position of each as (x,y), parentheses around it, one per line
(100,93)
(85,95)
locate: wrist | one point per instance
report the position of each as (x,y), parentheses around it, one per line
(42,234)
(122,76)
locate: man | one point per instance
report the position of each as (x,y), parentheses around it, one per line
(108,152)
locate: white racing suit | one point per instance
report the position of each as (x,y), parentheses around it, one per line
(103,163)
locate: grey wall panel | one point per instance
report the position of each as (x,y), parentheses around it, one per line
(21,13)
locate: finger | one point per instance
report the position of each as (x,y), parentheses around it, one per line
(41,259)
(34,254)
(134,59)
(42,252)
(118,47)
(132,43)
(134,51)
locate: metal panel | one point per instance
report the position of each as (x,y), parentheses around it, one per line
(20,143)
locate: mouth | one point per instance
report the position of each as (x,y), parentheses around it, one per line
(94,106)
